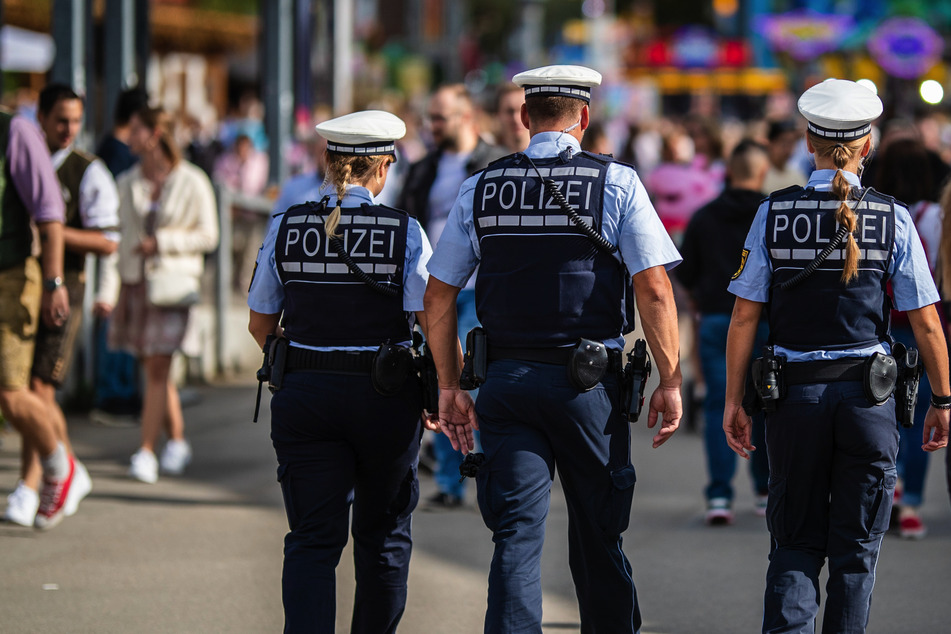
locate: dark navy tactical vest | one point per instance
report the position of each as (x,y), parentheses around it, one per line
(325,303)
(822,312)
(541,281)
(16,238)
(70,175)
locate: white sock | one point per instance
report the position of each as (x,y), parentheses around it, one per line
(57,463)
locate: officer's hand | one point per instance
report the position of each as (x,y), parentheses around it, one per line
(430,421)
(457,418)
(666,402)
(935,434)
(738,429)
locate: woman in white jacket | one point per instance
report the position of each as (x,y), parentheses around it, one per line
(169,221)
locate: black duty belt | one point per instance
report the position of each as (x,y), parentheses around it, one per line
(801,372)
(340,361)
(554,356)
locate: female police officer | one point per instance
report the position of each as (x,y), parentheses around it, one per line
(831,451)
(346,274)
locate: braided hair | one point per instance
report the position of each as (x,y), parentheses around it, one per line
(842,155)
(345,169)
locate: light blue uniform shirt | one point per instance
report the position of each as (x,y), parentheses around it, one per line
(266,295)
(628,221)
(912,284)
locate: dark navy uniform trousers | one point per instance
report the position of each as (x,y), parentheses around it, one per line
(832,476)
(340,443)
(532,421)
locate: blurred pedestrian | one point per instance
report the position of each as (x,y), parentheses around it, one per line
(244,170)
(512,134)
(782,138)
(92,224)
(118,392)
(345,429)
(711,248)
(168,221)
(31,290)
(428,194)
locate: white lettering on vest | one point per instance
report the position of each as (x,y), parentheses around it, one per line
(508,185)
(312,232)
(780,224)
(293,235)
(488,193)
(869,223)
(796,225)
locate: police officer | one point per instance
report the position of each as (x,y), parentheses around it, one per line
(549,293)
(340,277)
(831,449)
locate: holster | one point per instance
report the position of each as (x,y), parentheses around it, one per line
(426,369)
(634,381)
(879,378)
(768,382)
(277,362)
(587,363)
(391,366)
(906,392)
(476,360)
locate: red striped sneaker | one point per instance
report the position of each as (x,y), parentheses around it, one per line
(53,499)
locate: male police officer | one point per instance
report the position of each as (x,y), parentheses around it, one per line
(549,292)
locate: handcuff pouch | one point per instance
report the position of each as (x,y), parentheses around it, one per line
(587,363)
(880,377)
(391,367)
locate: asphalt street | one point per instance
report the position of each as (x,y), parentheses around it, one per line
(202,552)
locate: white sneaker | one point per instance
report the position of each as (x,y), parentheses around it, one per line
(22,505)
(82,485)
(176,456)
(144,466)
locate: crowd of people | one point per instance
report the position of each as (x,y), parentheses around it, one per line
(457,193)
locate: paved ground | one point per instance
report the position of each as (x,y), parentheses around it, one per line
(202,553)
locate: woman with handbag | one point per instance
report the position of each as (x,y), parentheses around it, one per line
(169,221)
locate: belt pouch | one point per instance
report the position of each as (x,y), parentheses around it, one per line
(587,363)
(879,378)
(391,366)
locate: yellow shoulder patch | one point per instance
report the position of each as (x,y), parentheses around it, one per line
(743,257)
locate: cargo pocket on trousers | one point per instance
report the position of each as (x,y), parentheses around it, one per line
(879,502)
(619,503)
(284,477)
(408,495)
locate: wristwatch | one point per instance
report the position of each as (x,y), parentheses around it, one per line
(50,284)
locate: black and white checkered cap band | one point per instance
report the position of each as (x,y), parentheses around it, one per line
(370,149)
(578,92)
(841,135)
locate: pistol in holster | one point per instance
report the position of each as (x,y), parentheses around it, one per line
(272,368)
(475,362)
(906,388)
(767,372)
(634,380)
(426,370)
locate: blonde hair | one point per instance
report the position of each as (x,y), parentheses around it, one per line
(842,154)
(345,169)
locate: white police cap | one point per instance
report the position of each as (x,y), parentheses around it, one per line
(366,133)
(840,109)
(559,81)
